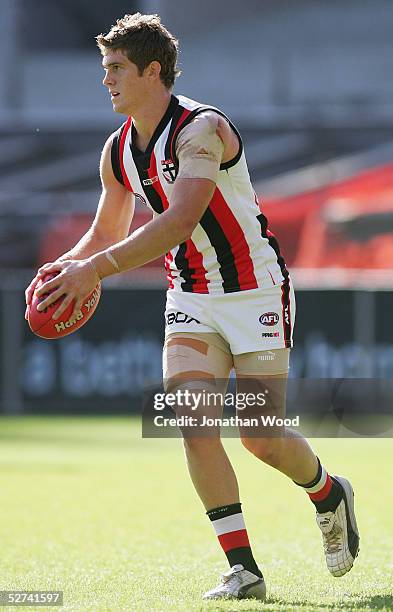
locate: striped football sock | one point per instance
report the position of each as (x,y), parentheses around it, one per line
(228,523)
(324,491)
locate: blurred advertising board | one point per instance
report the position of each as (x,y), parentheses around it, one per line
(105,366)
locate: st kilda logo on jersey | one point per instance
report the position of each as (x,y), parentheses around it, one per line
(269,318)
(168,170)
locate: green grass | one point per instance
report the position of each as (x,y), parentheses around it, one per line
(88,507)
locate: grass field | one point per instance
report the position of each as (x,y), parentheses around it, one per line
(88,507)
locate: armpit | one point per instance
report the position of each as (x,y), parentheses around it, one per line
(199,149)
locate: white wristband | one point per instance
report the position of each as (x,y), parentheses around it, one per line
(113,261)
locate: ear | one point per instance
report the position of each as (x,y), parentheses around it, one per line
(153,70)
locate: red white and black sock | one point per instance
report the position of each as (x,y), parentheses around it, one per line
(228,523)
(324,491)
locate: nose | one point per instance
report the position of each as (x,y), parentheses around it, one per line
(107,80)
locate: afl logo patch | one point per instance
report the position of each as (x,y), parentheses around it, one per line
(269,318)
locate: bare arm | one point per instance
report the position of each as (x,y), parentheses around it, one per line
(112,220)
(189,201)
(200,149)
(190,198)
(114,213)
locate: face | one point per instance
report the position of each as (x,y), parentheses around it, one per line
(127,88)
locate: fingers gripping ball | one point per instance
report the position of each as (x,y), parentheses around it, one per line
(42,324)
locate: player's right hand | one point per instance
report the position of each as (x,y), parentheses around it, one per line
(29,293)
(31,288)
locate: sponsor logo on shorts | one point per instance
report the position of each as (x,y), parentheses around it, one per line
(270,335)
(286,314)
(269,318)
(180,317)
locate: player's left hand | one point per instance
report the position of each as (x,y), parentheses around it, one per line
(74,280)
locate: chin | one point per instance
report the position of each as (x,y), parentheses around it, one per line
(117,108)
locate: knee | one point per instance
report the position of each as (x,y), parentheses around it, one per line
(199,446)
(267,450)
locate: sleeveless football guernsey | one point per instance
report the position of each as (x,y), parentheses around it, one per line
(231,249)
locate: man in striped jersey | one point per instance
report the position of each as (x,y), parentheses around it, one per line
(230,302)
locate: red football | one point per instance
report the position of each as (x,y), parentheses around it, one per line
(41,322)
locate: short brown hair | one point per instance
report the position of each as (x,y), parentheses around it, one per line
(144,39)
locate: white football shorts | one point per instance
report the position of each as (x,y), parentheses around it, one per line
(253,320)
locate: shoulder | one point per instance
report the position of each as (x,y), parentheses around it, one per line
(210,127)
(200,136)
(205,122)
(115,137)
(110,167)
(207,118)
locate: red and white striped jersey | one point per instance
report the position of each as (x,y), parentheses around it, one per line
(231,248)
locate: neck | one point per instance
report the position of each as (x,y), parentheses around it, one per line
(149,116)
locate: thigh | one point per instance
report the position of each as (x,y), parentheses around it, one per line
(197,365)
(261,364)
(196,355)
(262,378)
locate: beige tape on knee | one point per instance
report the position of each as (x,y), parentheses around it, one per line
(187,372)
(199,148)
(263,363)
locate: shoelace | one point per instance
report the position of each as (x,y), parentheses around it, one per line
(333,539)
(229,579)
